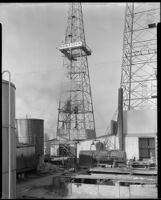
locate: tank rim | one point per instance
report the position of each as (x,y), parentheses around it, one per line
(7,82)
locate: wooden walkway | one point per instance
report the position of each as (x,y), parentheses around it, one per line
(119,178)
(123,171)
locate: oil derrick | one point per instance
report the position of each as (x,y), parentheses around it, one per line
(139,62)
(75,113)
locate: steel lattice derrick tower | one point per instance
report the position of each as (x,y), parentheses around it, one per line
(75,115)
(139,63)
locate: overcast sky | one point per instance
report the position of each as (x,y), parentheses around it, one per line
(31,33)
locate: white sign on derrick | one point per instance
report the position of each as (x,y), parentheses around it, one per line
(71,45)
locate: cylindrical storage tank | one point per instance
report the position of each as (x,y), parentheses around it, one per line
(5,140)
(31,132)
(25,158)
(118,155)
(102,156)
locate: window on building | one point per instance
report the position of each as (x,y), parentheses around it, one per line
(146,148)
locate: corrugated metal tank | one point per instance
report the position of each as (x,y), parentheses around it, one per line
(25,158)
(5,140)
(31,132)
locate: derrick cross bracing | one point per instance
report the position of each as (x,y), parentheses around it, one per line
(139,61)
(75,113)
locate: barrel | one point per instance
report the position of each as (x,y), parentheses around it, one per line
(5,140)
(31,132)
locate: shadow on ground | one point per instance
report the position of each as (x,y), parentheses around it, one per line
(58,187)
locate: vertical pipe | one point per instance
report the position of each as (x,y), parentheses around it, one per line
(9,133)
(120,119)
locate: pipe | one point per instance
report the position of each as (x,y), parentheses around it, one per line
(9,133)
(120,120)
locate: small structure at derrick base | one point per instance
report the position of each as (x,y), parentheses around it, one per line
(75,113)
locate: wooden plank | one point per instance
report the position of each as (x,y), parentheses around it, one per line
(146,172)
(123,171)
(110,170)
(120,178)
